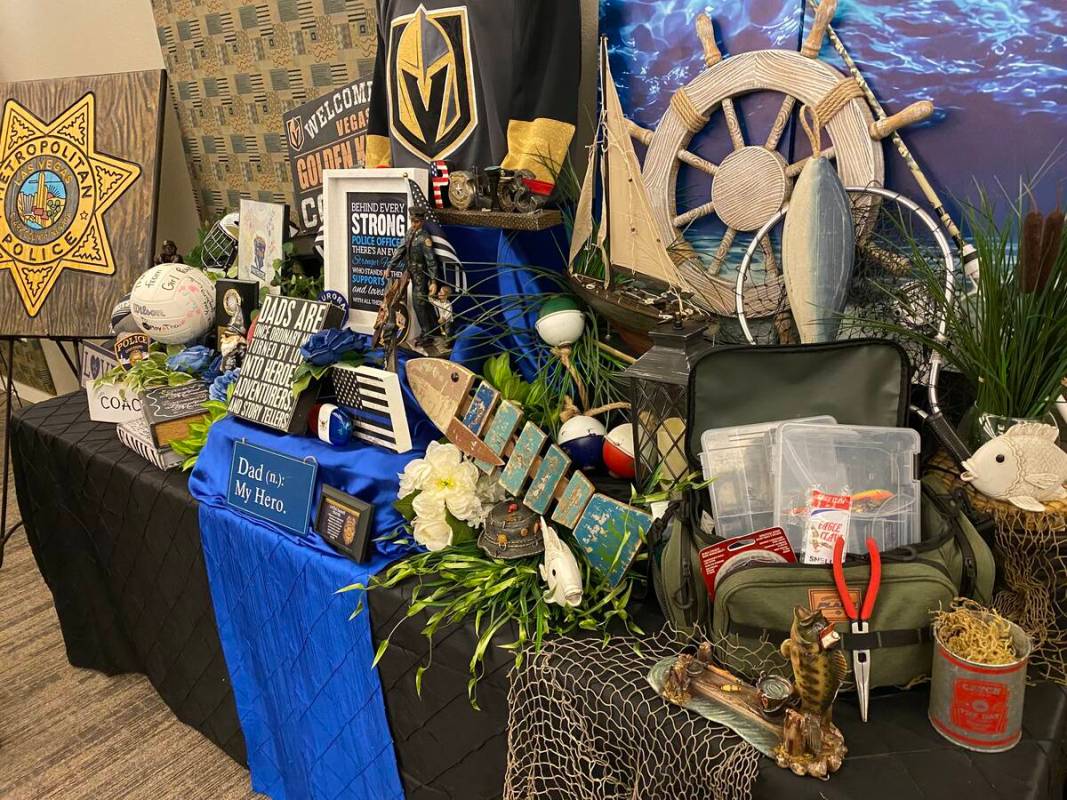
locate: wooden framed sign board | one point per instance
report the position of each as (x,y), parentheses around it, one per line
(263,392)
(365,215)
(79,177)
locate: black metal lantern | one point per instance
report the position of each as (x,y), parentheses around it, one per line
(659,398)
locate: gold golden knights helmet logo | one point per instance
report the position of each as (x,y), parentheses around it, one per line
(295,129)
(432,107)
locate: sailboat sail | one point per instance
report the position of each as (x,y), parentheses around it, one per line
(583,214)
(626,221)
(634,238)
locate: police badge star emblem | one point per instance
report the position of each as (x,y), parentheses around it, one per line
(57,186)
(432,107)
(78,172)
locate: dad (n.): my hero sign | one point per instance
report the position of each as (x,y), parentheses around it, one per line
(271,486)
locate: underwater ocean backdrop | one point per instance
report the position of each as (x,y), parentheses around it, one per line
(995,69)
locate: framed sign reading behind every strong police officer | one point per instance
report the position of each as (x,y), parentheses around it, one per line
(365,217)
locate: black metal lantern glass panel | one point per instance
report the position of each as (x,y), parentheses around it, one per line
(659,387)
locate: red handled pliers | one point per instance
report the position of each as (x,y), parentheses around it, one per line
(861,659)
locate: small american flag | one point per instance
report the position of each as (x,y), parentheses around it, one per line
(450,264)
(439,176)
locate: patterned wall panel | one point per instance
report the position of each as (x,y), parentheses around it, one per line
(237,66)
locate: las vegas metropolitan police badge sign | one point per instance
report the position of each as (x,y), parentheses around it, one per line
(56,187)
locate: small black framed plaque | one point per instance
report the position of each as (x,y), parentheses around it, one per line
(344,522)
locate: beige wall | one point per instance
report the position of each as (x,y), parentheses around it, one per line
(60,38)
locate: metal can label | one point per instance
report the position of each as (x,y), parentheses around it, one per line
(980,706)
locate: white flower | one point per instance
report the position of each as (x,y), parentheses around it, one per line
(428,506)
(433,534)
(465,506)
(414,476)
(444,480)
(443,456)
(450,474)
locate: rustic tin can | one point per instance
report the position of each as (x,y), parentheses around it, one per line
(979,706)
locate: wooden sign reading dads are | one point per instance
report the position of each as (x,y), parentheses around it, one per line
(79,175)
(263,394)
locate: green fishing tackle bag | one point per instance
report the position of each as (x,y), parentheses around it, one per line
(858,382)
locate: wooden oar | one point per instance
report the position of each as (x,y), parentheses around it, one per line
(968,255)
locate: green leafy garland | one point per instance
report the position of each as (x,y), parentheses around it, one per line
(462,581)
(149,372)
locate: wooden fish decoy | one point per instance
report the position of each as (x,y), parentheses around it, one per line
(445,391)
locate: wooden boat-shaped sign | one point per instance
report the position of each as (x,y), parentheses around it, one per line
(609,531)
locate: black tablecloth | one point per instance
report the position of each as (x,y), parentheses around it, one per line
(118,544)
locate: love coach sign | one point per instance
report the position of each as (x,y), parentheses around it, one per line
(271,486)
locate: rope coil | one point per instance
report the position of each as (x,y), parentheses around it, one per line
(843,93)
(837,98)
(683,105)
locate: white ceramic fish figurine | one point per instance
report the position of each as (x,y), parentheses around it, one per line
(818,251)
(560,570)
(1023,465)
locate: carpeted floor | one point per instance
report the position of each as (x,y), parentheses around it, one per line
(74,734)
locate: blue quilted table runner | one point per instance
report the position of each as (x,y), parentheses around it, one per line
(310,705)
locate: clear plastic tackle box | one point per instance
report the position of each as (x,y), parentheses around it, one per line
(876,466)
(741,462)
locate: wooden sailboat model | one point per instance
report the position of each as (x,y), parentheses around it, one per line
(640,285)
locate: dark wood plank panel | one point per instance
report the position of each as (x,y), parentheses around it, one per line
(127,125)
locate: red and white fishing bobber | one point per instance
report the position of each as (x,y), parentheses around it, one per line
(619,451)
(582,438)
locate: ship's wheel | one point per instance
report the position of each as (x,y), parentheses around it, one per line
(753,182)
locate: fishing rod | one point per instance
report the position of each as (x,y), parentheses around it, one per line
(968,255)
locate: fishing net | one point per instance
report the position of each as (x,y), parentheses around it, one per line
(584,722)
(1031,555)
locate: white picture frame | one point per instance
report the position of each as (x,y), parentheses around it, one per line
(269,224)
(381,187)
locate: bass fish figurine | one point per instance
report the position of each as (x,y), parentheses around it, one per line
(1023,466)
(560,571)
(811,743)
(818,249)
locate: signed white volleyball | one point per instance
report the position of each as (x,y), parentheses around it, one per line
(173,303)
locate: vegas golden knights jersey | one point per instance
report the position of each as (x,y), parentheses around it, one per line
(481,82)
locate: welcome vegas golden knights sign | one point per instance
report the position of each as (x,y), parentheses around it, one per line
(79,165)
